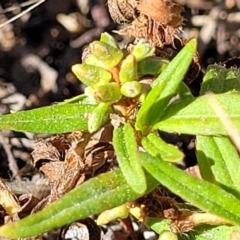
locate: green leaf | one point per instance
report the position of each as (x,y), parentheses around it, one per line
(200,193)
(219,162)
(152,65)
(82,98)
(184,92)
(98,194)
(51,119)
(125,146)
(206,232)
(219,79)
(198,116)
(157,147)
(165,87)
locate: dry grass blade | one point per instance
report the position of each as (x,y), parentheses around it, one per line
(21,14)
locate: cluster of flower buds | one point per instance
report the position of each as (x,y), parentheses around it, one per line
(112,74)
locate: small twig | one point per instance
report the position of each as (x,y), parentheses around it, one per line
(12,163)
(18,6)
(22,13)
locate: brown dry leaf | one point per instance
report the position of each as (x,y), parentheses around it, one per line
(152,31)
(8,200)
(44,150)
(156,21)
(122,11)
(99,157)
(60,158)
(163,11)
(68,160)
(27,202)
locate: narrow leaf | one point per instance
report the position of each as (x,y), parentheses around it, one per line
(184,92)
(198,117)
(200,193)
(165,87)
(98,194)
(125,146)
(205,232)
(157,147)
(219,79)
(52,119)
(152,65)
(219,156)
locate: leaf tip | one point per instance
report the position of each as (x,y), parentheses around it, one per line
(192,44)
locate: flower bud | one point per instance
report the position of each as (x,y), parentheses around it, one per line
(109,39)
(108,93)
(105,53)
(167,235)
(99,116)
(142,50)
(90,75)
(93,60)
(113,214)
(128,70)
(131,89)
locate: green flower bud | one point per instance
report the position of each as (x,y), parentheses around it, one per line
(109,39)
(166,235)
(137,212)
(128,70)
(90,75)
(152,65)
(108,93)
(142,50)
(93,60)
(113,214)
(131,89)
(99,116)
(107,54)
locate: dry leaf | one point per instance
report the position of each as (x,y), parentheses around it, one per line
(122,11)
(163,11)
(152,31)
(156,21)
(68,160)
(8,200)
(28,202)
